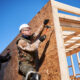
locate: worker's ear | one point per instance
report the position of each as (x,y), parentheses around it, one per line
(21,32)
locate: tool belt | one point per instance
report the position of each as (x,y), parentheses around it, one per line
(26,59)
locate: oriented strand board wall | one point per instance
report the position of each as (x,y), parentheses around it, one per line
(47,52)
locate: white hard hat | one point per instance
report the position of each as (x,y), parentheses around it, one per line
(23,26)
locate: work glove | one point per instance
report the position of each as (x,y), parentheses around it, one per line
(46,21)
(42,38)
(47,26)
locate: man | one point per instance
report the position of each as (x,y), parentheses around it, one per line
(27,50)
(5,58)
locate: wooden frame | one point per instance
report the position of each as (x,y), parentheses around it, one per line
(71,29)
(60,44)
(74,74)
(78,59)
(70,36)
(70,23)
(67,8)
(73,51)
(65,16)
(59,38)
(71,44)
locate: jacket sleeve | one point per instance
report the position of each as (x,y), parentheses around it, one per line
(38,31)
(27,46)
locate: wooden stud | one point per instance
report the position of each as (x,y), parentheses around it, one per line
(78,59)
(77,74)
(70,66)
(67,33)
(70,36)
(72,44)
(70,23)
(73,66)
(60,44)
(73,51)
(65,16)
(70,29)
(67,8)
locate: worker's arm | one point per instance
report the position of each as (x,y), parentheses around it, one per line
(30,47)
(5,58)
(40,29)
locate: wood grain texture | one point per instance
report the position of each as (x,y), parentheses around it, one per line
(49,69)
(48,55)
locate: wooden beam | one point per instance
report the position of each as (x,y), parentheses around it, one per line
(75,50)
(67,33)
(77,74)
(70,29)
(72,44)
(65,16)
(72,48)
(72,77)
(70,36)
(69,23)
(67,8)
(60,44)
(73,66)
(70,66)
(78,57)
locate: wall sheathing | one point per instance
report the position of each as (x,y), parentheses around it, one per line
(47,51)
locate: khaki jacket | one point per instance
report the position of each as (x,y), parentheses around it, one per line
(27,49)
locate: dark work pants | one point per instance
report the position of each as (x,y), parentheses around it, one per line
(25,67)
(4,59)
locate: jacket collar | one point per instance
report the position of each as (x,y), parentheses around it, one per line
(26,37)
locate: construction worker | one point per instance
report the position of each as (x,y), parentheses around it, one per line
(27,50)
(5,58)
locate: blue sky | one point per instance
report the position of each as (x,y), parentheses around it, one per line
(13,13)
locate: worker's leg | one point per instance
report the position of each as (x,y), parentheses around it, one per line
(0,65)
(24,68)
(36,60)
(28,71)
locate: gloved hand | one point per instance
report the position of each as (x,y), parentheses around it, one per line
(46,21)
(47,26)
(42,38)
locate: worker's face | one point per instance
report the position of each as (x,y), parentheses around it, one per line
(26,31)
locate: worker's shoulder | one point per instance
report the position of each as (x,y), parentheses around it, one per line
(20,39)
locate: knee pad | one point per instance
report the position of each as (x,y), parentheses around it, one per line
(32,75)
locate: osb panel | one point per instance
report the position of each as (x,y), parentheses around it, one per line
(9,70)
(49,69)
